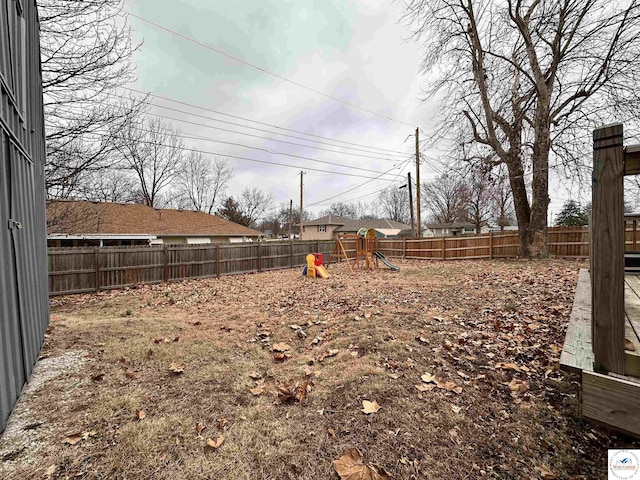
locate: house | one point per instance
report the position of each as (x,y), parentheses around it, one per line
(322,228)
(73,223)
(24,302)
(453,229)
(385,228)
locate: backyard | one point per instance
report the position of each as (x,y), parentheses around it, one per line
(442,370)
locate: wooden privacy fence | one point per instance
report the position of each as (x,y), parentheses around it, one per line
(92,269)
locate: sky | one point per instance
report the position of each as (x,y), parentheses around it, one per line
(356,52)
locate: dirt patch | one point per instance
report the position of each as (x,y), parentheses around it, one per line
(443,370)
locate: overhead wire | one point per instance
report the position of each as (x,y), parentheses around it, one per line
(237,157)
(260,69)
(265,124)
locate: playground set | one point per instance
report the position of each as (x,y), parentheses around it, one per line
(366,243)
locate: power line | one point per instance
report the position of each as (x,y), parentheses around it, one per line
(362,184)
(237,117)
(187,149)
(192,137)
(244,133)
(244,62)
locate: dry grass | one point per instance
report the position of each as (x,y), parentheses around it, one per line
(456,320)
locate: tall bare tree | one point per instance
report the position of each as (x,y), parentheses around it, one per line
(255,204)
(527,80)
(153,151)
(86,54)
(202,181)
(446,199)
(112,185)
(340,209)
(394,204)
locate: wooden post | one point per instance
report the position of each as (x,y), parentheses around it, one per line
(165,261)
(97,260)
(607,254)
(290,253)
(259,259)
(635,231)
(444,248)
(490,245)
(404,247)
(218,260)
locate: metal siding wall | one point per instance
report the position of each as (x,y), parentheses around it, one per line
(24,308)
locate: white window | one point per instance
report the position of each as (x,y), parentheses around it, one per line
(322,228)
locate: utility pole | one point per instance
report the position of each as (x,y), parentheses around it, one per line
(418,182)
(301,209)
(413,225)
(290,216)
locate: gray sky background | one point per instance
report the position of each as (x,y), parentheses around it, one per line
(356,51)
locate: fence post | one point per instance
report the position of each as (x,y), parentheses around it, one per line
(490,245)
(259,259)
(404,247)
(607,259)
(97,260)
(317,246)
(290,253)
(165,264)
(444,248)
(218,260)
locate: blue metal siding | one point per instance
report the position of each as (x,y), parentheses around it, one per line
(24,310)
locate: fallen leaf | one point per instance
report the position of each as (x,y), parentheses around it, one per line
(221,423)
(281,356)
(424,388)
(141,415)
(176,368)
(72,439)
(331,432)
(628,345)
(508,366)
(257,390)
(255,376)
(51,470)
(518,387)
(131,374)
(351,467)
(149,353)
(428,378)
(97,377)
(455,409)
(199,428)
(280,347)
(546,473)
(330,353)
(215,444)
(370,407)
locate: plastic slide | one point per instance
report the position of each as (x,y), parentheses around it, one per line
(321,272)
(386,262)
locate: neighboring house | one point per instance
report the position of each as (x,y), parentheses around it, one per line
(321,228)
(24,300)
(453,229)
(384,227)
(79,223)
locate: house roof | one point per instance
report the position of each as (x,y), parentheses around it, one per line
(381,223)
(81,217)
(327,220)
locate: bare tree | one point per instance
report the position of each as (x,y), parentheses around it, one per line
(86,54)
(480,205)
(340,209)
(254,204)
(202,181)
(527,79)
(393,204)
(153,151)
(446,199)
(112,185)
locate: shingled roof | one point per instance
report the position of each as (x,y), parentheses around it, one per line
(327,220)
(86,218)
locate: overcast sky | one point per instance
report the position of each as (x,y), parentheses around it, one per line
(355,51)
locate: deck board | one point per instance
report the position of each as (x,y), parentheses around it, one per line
(577,353)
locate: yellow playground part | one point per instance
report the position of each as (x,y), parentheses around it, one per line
(321,272)
(311,265)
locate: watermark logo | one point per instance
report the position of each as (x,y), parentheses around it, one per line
(624,464)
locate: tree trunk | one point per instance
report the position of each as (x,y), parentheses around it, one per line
(521,205)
